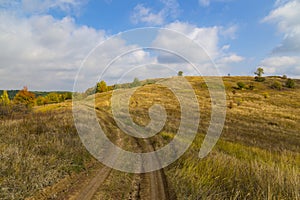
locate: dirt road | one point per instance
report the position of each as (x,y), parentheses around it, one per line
(148,186)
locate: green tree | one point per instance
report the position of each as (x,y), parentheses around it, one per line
(101,87)
(290,83)
(40,101)
(53,97)
(5,99)
(136,82)
(284,76)
(180,73)
(259,72)
(68,95)
(25,97)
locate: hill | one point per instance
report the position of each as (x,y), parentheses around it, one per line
(257,156)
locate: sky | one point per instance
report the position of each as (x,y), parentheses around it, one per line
(54,44)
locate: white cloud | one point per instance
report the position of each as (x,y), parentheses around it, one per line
(206,3)
(42,52)
(146,15)
(207,37)
(286,17)
(280,65)
(285,57)
(233,58)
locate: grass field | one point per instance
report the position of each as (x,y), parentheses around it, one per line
(257,156)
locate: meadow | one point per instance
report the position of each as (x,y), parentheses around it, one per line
(257,156)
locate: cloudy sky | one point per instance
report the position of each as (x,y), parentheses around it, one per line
(44,43)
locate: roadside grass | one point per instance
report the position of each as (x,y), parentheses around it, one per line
(235,171)
(37,151)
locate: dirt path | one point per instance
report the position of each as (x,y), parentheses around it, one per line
(152,186)
(88,191)
(158,182)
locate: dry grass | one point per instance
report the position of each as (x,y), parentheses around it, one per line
(258,154)
(37,151)
(257,157)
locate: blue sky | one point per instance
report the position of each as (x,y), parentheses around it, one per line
(43,43)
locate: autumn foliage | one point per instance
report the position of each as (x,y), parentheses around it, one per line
(25,97)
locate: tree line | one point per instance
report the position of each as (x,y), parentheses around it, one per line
(24,100)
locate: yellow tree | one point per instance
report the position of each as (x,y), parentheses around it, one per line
(101,87)
(5,99)
(25,97)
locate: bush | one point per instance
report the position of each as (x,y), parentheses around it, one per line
(259,79)
(40,101)
(136,82)
(241,85)
(290,83)
(277,85)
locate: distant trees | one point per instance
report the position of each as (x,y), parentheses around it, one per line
(53,97)
(180,73)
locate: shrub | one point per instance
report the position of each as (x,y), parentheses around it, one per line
(259,79)
(180,73)
(276,85)
(53,98)
(40,101)
(241,85)
(290,83)
(136,82)
(68,95)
